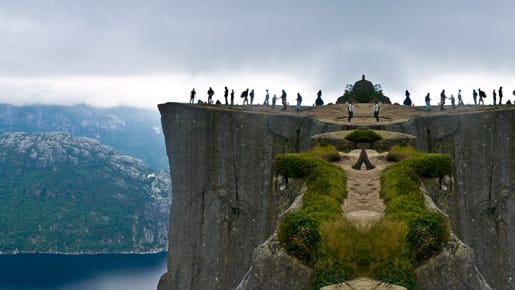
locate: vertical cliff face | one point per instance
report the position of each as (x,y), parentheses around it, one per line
(483,210)
(224,206)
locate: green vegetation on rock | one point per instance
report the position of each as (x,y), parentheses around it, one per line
(363,136)
(60,193)
(300,230)
(408,235)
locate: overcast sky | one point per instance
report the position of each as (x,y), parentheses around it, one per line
(141,53)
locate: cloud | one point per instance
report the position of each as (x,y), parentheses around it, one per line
(55,46)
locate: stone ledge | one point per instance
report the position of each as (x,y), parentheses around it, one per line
(337,139)
(363,284)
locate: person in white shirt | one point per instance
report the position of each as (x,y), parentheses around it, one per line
(350,110)
(376,111)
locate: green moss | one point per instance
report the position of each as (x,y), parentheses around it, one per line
(363,136)
(321,207)
(299,234)
(399,179)
(397,272)
(407,236)
(432,165)
(427,231)
(293,165)
(328,272)
(405,207)
(427,234)
(299,231)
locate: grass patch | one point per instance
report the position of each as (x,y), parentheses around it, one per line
(319,236)
(363,136)
(299,231)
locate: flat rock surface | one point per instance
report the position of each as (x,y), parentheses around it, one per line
(363,284)
(363,112)
(363,206)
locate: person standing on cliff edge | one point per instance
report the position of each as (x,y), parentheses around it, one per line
(350,111)
(192,96)
(500,95)
(319,101)
(226,94)
(442,100)
(210,94)
(299,101)
(376,111)
(284,100)
(267,97)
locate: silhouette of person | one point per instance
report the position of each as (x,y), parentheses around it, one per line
(226,94)
(407,100)
(481,96)
(245,96)
(267,96)
(251,96)
(274,100)
(192,96)
(350,111)
(232,97)
(299,101)
(210,94)
(494,95)
(453,102)
(428,102)
(460,100)
(500,95)
(376,111)
(474,96)
(319,101)
(284,100)
(442,100)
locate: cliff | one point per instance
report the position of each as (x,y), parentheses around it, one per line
(225,206)
(64,194)
(132,131)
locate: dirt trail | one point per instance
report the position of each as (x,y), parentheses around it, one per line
(363,206)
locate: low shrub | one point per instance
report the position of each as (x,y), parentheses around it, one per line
(363,136)
(293,165)
(339,238)
(395,156)
(408,234)
(300,236)
(399,179)
(299,231)
(432,165)
(427,231)
(398,272)
(327,179)
(388,240)
(328,272)
(321,207)
(427,234)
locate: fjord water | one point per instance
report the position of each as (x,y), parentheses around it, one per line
(81,272)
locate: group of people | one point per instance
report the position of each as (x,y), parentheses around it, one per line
(478,96)
(350,111)
(245,95)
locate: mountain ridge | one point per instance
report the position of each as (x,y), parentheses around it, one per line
(132,131)
(68,194)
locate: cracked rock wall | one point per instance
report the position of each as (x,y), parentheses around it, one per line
(223,207)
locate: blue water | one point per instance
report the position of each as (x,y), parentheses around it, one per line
(81,272)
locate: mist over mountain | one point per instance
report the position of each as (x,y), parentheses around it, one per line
(61,193)
(132,131)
